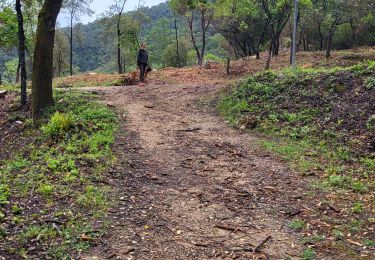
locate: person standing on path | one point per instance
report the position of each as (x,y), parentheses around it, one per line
(142,63)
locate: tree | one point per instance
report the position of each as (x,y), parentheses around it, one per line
(243,24)
(43,58)
(294,38)
(22,52)
(193,10)
(75,8)
(118,9)
(278,14)
(61,51)
(159,38)
(8,28)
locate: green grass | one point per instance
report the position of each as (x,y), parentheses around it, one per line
(297,224)
(58,172)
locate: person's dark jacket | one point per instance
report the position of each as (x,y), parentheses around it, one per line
(142,57)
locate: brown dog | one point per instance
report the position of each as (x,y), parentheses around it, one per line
(133,77)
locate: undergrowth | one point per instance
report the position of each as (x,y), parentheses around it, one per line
(322,121)
(51,190)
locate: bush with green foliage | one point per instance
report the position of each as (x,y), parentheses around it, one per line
(59,125)
(170,55)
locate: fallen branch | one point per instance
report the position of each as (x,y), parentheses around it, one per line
(189,129)
(225,227)
(257,248)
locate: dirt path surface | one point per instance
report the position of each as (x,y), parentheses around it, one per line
(190,186)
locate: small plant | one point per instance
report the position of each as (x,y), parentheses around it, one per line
(337,234)
(312,240)
(338,181)
(59,125)
(369,243)
(45,190)
(16,210)
(359,187)
(41,232)
(370,83)
(296,224)
(93,197)
(4,194)
(357,208)
(308,254)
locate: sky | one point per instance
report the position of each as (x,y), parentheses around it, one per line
(101,6)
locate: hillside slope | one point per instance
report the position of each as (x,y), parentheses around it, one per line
(323,122)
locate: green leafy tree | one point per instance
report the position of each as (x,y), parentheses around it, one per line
(159,38)
(75,8)
(196,11)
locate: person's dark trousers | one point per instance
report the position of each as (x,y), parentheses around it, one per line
(142,68)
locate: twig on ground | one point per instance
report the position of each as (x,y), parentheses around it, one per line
(189,129)
(257,248)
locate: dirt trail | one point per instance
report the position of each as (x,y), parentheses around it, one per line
(192,187)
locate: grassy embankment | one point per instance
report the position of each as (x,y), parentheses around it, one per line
(322,121)
(52,199)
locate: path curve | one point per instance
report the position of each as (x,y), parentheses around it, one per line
(192,187)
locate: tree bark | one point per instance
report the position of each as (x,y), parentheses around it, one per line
(59,64)
(228,66)
(177,46)
(268,63)
(203,24)
(18,72)
(71,46)
(320,37)
(119,62)
(22,52)
(191,21)
(329,45)
(43,58)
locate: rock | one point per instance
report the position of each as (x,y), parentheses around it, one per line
(3,93)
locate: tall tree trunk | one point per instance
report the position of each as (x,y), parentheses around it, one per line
(354,34)
(199,57)
(18,72)
(59,64)
(119,62)
(203,24)
(331,33)
(228,65)
(43,58)
(22,52)
(177,46)
(329,45)
(71,46)
(320,37)
(268,63)
(262,34)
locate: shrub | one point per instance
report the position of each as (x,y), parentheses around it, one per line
(213,57)
(58,125)
(370,83)
(170,57)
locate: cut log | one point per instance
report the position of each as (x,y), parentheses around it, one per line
(3,93)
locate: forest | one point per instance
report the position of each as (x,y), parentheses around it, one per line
(190,129)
